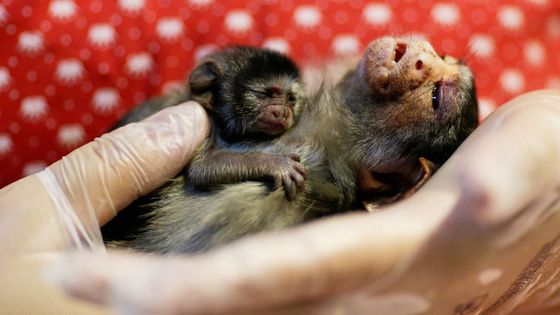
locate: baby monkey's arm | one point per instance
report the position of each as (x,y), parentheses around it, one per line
(216,167)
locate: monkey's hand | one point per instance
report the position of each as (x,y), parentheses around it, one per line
(218,167)
(288,172)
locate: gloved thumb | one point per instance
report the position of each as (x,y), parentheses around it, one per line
(97,180)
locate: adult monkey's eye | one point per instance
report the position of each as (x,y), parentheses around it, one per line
(436,96)
(291,98)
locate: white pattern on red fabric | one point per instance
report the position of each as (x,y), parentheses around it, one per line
(512,80)
(69,71)
(169,29)
(278,44)
(534,53)
(446,14)
(3,15)
(34,108)
(346,45)
(71,135)
(102,35)
(6,144)
(62,9)
(307,16)
(105,100)
(139,64)
(510,17)
(482,45)
(378,13)
(131,6)
(201,3)
(239,21)
(5,78)
(30,43)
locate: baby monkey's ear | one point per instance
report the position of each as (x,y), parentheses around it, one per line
(202,81)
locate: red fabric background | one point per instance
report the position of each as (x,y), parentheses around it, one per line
(69,69)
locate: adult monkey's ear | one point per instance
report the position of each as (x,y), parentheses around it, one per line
(202,81)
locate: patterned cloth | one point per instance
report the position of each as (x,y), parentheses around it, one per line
(69,69)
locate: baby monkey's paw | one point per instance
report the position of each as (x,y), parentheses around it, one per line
(287,171)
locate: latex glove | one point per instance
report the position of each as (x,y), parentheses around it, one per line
(63,206)
(457,245)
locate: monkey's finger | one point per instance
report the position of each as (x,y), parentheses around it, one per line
(299,181)
(300,168)
(289,187)
(278,180)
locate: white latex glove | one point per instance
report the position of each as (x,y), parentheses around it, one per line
(62,207)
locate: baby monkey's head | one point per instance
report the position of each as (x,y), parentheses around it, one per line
(412,101)
(250,92)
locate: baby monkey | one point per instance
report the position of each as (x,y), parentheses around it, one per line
(252,97)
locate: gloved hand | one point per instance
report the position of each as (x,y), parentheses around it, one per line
(478,236)
(63,206)
(458,244)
